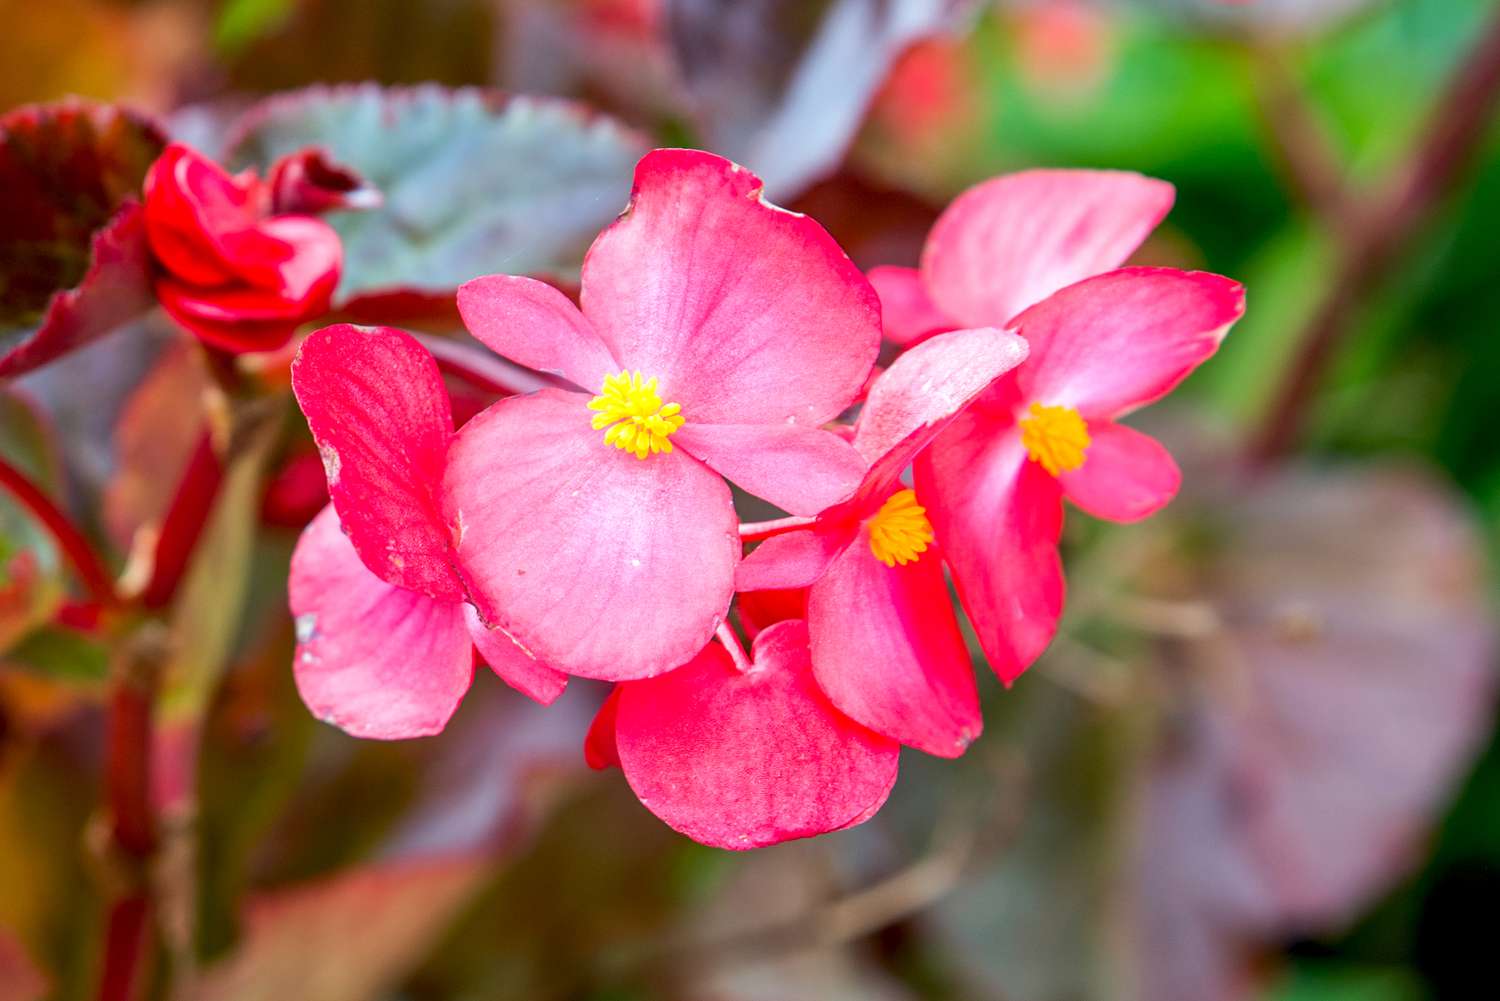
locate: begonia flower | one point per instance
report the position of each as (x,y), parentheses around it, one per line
(385,636)
(885,642)
(993,483)
(744,755)
(716,334)
(229,270)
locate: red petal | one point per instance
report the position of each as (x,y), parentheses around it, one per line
(1126,475)
(745,760)
(1012,241)
(599,747)
(997,517)
(1119,341)
(887,650)
(907,312)
(513,665)
(378,410)
(374,660)
(748,314)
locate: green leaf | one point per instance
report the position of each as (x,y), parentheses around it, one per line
(473,182)
(61,654)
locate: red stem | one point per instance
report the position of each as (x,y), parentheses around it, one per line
(736,649)
(125,940)
(69,539)
(756,531)
(132,829)
(184,522)
(1383,231)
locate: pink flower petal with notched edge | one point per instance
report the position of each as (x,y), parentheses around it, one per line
(887,650)
(931,383)
(1126,476)
(907,312)
(793,560)
(535,325)
(511,664)
(1012,241)
(745,760)
(997,516)
(746,313)
(801,470)
(1121,340)
(372,659)
(379,412)
(600,564)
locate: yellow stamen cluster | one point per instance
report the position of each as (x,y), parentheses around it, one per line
(1057,437)
(631,408)
(900,531)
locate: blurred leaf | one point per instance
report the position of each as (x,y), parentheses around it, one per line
(61,653)
(1325,981)
(31,584)
(244,21)
(782,86)
(72,242)
(474,183)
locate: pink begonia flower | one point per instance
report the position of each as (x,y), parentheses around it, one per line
(385,638)
(743,756)
(886,646)
(716,334)
(1102,345)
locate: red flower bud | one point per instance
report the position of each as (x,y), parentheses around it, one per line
(237,276)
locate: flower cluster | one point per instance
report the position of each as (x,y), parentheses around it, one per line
(588,529)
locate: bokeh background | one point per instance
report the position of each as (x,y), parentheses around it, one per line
(1258,763)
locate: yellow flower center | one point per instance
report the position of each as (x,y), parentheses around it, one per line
(1056,437)
(900,531)
(630,407)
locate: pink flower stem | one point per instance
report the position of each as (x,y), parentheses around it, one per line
(86,562)
(1381,232)
(756,531)
(736,649)
(482,370)
(184,522)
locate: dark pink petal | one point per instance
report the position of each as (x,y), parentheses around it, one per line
(309,270)
(599,749)
(372,659)
(786,562)
(1119,341)
(511,664)
(746,313)
(997,517)
(192,204)
(535,325)
(929,385)
(799,469)
(1012,241)
(887,650)
(378,410)
(1126,476)
(745,760)
(601,564)
(907,313)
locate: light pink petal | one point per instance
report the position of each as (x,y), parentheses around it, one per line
(907,313)
(930,384)
(1126,475)
(887,650)
(599,749)
(379,412)
(372,659)
(997,517)
(535,325)
(1119,341)
(1012,241)
(799,469)
(786,562)
(746,313)
(598,563)
(745,760)
(511,664)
